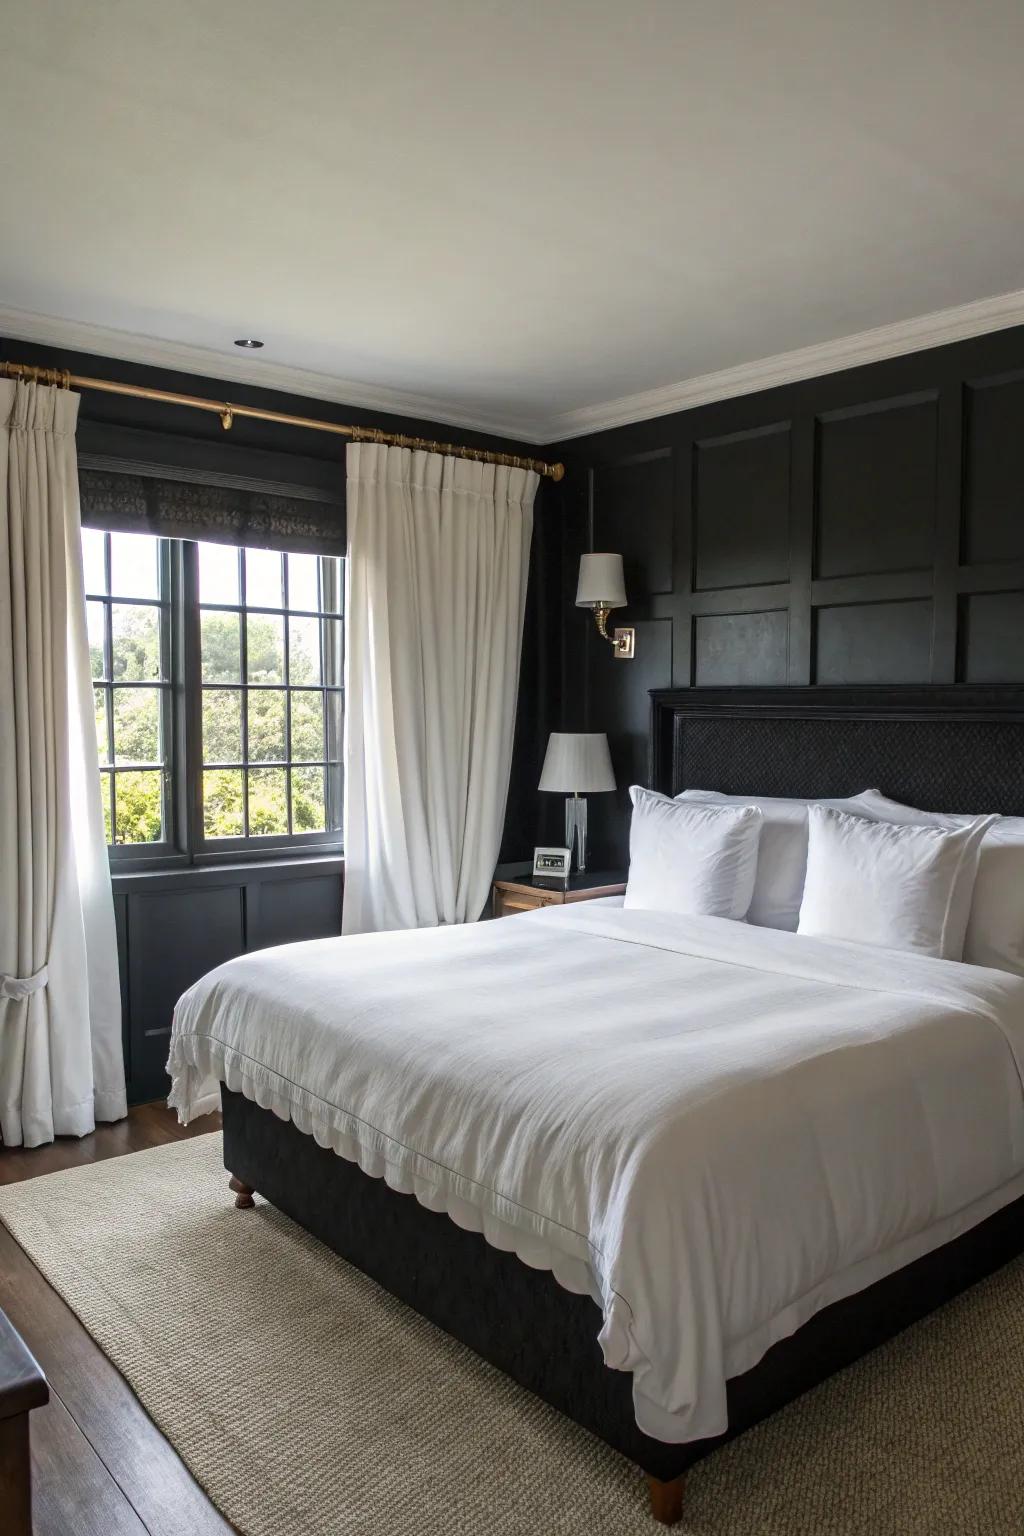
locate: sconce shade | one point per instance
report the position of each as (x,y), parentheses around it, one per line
(601,581)
(577,763)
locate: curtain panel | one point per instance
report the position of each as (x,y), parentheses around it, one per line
(438,557)
(61,1064)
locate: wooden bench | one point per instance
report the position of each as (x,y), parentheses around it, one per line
(22,1388)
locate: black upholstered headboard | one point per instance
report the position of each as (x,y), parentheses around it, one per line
(939,748)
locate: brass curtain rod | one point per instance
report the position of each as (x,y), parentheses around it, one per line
(227,412)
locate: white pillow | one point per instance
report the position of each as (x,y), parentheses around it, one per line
(889,883)
(995,929)
(695,860)
(781,856)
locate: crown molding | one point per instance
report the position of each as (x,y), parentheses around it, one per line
(959,323)
(896,340)
(244,368)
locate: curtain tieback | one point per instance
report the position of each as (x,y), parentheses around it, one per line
(17,987)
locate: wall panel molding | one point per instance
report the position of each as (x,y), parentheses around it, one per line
(900,502)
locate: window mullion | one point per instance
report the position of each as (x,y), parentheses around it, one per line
(287,629)
(188,693)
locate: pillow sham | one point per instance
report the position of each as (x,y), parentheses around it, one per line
(889,883)
(694,860)
(995,927)
(781,856)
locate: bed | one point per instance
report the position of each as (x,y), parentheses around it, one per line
(499,1123)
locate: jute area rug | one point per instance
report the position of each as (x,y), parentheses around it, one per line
(309,1403)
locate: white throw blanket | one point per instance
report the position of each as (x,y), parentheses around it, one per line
(714,1129)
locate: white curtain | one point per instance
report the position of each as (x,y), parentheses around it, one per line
(438,555)
(61,1066)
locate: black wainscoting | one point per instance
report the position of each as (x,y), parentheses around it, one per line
(173,926)
(862,528)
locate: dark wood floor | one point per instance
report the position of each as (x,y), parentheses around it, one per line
(100,1465)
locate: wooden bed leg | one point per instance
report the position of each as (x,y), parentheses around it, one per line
(243,1194)
(667,1498)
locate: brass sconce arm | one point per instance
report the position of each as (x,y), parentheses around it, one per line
(623,641)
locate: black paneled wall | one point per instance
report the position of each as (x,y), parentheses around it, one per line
(863,527)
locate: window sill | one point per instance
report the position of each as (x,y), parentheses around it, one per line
(234,872)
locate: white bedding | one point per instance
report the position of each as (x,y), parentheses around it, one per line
(714,1129)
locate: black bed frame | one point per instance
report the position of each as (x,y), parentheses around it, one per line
(939,748)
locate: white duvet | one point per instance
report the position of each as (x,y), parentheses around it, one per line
(714,1129)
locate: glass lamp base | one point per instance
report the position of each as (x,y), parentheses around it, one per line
(576,828)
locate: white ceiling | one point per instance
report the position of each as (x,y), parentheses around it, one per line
(512,211)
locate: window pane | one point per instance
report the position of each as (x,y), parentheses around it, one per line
(268,802)
(220,646)
(332,576)
(218,573)
(222,802)
(265,642)
(92,560)
(135,643)
(334,652)
(139,807)
(105,779)
(263,579)
(335,725)
(308,800)
(222,725)
(303,585)
(304,650)
(308,727)
(136,730)
(266,725)
(133,565)
(102,741)
(94,624)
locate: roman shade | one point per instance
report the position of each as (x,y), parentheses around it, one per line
(134,481)
(221,513)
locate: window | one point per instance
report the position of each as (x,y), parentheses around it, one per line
(271,654)
(218,683)
(127,614)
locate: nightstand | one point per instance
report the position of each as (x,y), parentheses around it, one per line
(524,894)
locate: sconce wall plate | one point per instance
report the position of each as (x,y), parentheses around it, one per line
(624,640)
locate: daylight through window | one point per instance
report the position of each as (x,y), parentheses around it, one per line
(271,649)
(125,583)
(217,674)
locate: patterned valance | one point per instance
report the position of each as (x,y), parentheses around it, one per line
(224,509)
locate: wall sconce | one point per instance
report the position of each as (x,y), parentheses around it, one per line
(602,587)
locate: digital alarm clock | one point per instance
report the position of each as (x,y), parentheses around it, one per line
(551,866)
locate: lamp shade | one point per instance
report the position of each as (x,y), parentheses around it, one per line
(577,763)
(601,581)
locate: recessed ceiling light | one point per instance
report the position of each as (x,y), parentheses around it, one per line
(248,341)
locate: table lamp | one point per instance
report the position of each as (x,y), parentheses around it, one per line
(577,764)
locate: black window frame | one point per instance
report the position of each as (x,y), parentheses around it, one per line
(184,842)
